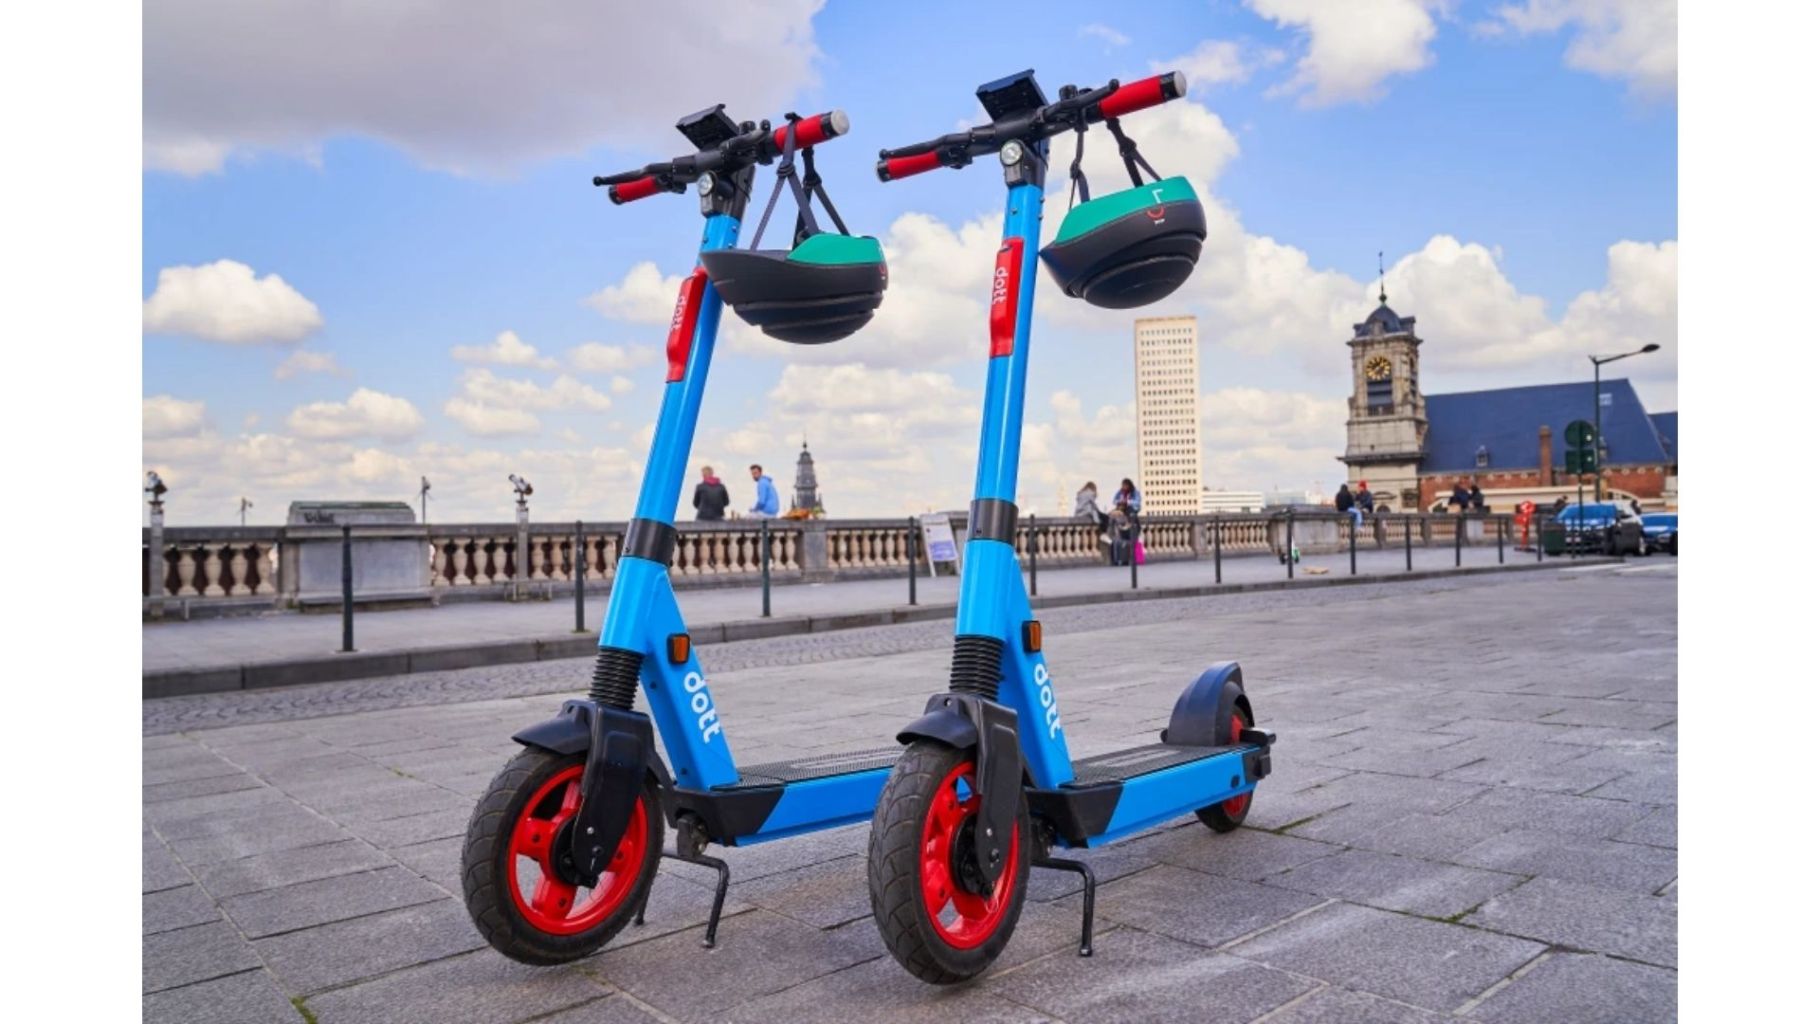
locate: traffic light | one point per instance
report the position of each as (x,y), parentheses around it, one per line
(1582,448)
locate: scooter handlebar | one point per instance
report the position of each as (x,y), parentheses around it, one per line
(1075,109)
(1148,92)
(629,191)
(812,131)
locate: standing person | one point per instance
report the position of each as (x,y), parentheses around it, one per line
(1460,498)
(1343,502)
(711,497)
(1477,498)
(1126,502)
(766,505)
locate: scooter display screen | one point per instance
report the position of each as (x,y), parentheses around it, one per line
(1013,94)
(708,128)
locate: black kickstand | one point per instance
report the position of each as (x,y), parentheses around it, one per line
(720,891)
(1087,886)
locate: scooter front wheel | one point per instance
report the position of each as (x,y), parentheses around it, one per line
(933,909)
(519,890)
(1229,814)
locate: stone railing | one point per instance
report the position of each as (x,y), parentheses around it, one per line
(233,566)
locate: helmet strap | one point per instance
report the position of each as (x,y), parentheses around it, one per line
(800,188)
(1076,179)
(1128,152)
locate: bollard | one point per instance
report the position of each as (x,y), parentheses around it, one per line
(347,589)
(1132,554)
(1538,539)
(910,550)
(1352,547)
(1289,542)
(579,571)
(1409,558)
(764,565)
(1459,531)
(1216,549)
(1500,540)
(1030,542)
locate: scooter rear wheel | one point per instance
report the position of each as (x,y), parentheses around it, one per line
(1229,814)
(941,927)
(515,891)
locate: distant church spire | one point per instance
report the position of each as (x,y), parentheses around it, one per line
(1383,299)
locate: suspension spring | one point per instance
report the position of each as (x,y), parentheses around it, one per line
(615,678)
(976,666)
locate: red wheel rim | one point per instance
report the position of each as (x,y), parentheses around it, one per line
(1236,806)
(960,918)
(547,902)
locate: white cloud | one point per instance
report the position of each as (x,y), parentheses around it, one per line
(304,361)
(163,416)
(1216,62)
(595,357)
(1353,46)
(366,413)
(507,349)
(622,385)
(224,302)
(1105,33)
(490,405)
(473,88)
(1634,40)
(643,296)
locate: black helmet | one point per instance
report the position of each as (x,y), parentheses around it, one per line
(822,290)
(1130,248)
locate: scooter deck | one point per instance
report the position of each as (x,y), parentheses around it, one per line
(820,766)
(1124,765)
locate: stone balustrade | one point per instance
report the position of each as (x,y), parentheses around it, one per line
(246,565)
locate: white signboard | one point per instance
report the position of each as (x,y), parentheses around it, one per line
(939,547)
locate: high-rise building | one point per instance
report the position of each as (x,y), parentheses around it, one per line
(1169,414)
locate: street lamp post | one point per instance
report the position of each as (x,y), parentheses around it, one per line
(1598,362)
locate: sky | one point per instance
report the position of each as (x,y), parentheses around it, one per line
(372,253)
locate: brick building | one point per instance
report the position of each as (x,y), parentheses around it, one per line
(1412,448)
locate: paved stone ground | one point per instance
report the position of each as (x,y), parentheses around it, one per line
(1472,817)
(216,643)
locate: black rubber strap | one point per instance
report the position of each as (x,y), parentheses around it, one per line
(813,182)
(1128,152)
(1075,176)
(992,519)
(650,540)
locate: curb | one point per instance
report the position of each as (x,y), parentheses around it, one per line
(342,667)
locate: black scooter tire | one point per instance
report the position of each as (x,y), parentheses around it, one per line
(1228,815)
(894,871)
(486,880)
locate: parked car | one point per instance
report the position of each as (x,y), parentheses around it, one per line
(1605,527)
(1660,530)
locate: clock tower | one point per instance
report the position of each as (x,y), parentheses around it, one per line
(1387,421)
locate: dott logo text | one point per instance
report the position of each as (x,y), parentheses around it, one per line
(702,704)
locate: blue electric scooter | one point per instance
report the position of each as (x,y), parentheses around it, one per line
(985,787)
(563,846)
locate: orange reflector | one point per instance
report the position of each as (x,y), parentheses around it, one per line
(1033,636)
(679,648)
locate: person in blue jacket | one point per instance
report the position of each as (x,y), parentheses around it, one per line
(766,506)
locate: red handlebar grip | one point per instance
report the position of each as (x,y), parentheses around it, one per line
(646,186)
(812,131)
(893,168)
(1146,93)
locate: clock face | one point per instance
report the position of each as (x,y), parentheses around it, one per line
(1377,368)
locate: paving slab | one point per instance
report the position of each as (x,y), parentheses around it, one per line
(288,867)
(1249,854)
(306,904)
(336,954)
(1137,976)
(1626,867)
(881,992)
(1330,1004)
(186,956)
(1583,989)
(475,988)
(170,909)
(1397,883)
(250,997)
(1587,918)
(1426,963)
(1189,906)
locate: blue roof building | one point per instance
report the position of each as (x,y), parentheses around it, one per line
(1498,431)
